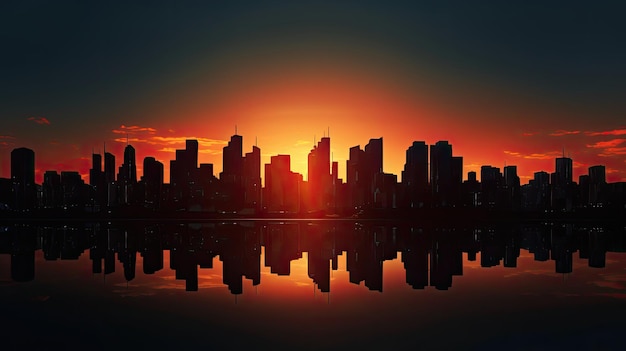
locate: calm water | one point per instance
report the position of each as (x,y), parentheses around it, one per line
(312,285)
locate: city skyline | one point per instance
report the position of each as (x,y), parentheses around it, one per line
(432,180)
(118,150)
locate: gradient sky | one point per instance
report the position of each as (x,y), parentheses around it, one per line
(515,82)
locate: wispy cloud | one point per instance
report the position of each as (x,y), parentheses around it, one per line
(134,130)
(606,144)
(148,135)
(621,131)
(613,151)
(200,151)
(39,120)
(534,156)
(527,134)
(562,132)
(6,140)
(302,143)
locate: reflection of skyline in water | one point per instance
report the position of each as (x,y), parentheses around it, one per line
(431,257)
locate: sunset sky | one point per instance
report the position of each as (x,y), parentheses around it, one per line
(515,82)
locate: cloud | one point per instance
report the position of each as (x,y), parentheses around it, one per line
(527,134)
(613,151)
(608,132)
(200,151)
(6,141)
(535,156)
(134,130)
(562,132)
(39,120)
(607,144)
(302,143)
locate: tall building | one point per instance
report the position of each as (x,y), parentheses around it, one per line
(153,182)
(252,178)
(319,177)
(443,174)
(362,168)
(232,162)
(52,196)
(512,185)
(563,171)
(374,155)
(415,174)
(109,167)
(127,176)
(490,183)
(128,170)
(23,178)
(597,185)
(282,186)
(95,173)
(562,185)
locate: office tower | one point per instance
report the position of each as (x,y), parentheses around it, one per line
(127,176)
(512,185)
(490,182)
(232,162)
(231,177)
(282,186)
(72,187)
(319,177)
(374,155)
(355,177)
(128,170)
(153,182)
(252,178)
(23,178)
(562,185)
(95,173)
(537,194)
(361,168)
(441,174)
(415,174)
(109,167)
(597,185)
(52,196)
(563,171)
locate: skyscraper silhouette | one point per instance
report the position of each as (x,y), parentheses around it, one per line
(441,173)
(415,174)
(319,177)
(23,178)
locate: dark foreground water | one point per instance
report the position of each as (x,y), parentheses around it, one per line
(312,285)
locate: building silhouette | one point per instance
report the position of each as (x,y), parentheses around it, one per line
(446,173)
(282,186)
(415,175)
(319,177)
(23,178)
